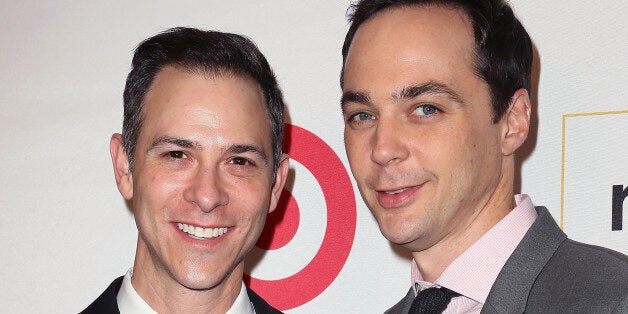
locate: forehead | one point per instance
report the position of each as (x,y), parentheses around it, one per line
(433,40)
(180,101)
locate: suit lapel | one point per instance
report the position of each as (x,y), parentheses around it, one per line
(260,305)
(510,291)
(106,302)
(403,306)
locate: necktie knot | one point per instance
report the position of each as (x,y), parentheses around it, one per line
(432,300)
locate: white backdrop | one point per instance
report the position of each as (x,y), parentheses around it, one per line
(66,232)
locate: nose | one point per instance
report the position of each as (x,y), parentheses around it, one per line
(205,190)
(387,146)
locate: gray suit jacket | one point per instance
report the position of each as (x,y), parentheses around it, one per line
(548,273)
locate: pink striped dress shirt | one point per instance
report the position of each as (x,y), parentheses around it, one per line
(473,273)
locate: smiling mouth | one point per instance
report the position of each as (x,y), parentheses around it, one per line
(200,232)
(397,198)
(395,191)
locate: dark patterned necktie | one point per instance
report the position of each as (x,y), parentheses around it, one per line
(432,300)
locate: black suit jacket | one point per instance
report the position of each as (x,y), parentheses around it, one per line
(549,273)
(106,303)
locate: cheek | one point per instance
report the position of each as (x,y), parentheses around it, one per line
(354,139)
(251,199)
(167,183)
(475,143)
(475,160)
(254,220)
(486,148)
(157,190)
(358,154)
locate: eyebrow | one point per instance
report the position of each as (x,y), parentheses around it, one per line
(406,93)
(232,149)
(356,97)
(244,148)
(413,91)
(174,141)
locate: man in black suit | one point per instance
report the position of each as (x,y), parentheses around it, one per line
(435,101)
(199,161)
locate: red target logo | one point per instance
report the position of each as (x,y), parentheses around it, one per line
(282,224)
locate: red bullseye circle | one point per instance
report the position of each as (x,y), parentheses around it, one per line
(281,224)
(315,155)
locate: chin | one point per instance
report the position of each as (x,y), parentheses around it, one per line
(396,238)
(200,279)
(393,233)
(399,232)
(204,283)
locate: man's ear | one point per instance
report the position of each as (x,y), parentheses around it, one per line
(516,122)
(280,181)
(124,178)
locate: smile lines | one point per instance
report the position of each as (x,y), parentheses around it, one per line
(203,233)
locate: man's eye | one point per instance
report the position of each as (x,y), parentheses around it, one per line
(240,161)
(426,110)
(177,154)
(361,116)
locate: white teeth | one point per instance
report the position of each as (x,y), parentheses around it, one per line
(183,227)
(199,232)
(395,192)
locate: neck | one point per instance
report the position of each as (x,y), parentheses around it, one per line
(433,261)
(166,294)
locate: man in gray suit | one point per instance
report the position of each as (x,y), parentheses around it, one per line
(435,101)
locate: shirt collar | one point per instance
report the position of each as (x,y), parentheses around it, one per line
(130,302)
(473,273)
(242,304)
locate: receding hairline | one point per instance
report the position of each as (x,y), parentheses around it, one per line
(207,73)
(409,6)
(465,14)
(466,19)
(212,73)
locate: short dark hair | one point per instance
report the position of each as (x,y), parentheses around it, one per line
(215,53)
(503,48)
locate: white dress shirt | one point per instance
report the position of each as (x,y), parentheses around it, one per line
(130,302)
